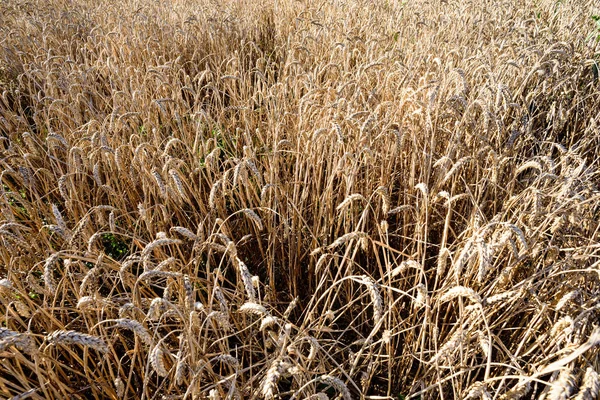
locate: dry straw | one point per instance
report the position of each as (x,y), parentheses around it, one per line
(233,186)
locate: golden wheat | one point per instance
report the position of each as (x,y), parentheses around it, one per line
(205,199)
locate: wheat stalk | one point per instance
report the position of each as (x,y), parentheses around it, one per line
(269,385)
(73,337)
(348,200)
(590,387)
(462,292)
(157,360)
(25,395)
(246,279)
(136,328)
(48,278)
(253,308)
(338,384)
(564,386)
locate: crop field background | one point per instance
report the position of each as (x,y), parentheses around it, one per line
(299,200)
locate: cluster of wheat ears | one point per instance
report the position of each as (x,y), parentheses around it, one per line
(299,200)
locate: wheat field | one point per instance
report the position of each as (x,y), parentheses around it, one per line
(297,200)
